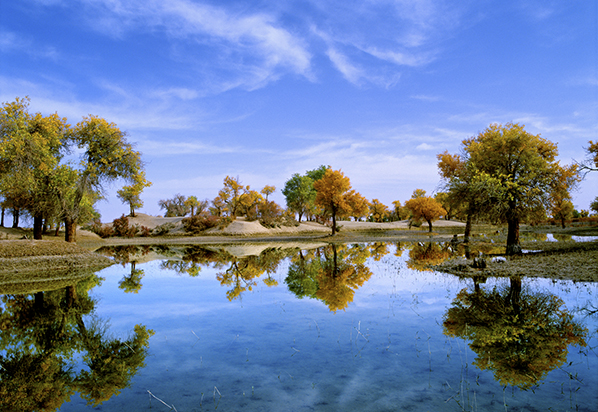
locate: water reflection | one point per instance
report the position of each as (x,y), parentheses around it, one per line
(42,335)
(517,334)
(385,349)
(333,273)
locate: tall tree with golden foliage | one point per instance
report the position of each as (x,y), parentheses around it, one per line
(333,195)
(523,171)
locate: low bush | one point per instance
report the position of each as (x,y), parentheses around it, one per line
(121,227)
(199,223)
(272,215)
(101,230)
(163,229)
(144,231)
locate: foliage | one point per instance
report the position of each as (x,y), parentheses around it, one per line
(175,207)
(424,207)
(333,194)
(229,196)
(248,203)
(267,191)
(200,222)
(509,174)
(398,212)
(331,274)
(518,335)
(358,205)
(101,230)
(31,148)
(378,211)
(196,206)
(163,229)
(131,193)
(423,255)
(44,337)
(120,227)
(300,195)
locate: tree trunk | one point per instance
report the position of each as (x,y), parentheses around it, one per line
(467,228)
(132,211)
(15,218)
(333,223)
(514,296)
(38,225)
(2,219)
(513,247)
(430,226)
(563,222)
(70,230)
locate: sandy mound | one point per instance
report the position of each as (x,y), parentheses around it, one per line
(242,227)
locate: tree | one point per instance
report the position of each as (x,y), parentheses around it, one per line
(131,193)
(333,191)
(378,211)
(31,147)
(230,195)
(523,171)
(248,203)
(562,210)
(424,207)
(466,189)
(591,163)
(267,191)
(175,207)
(107,156)
(397,210)
(300,194)
(358,204)
(318,173)
(594,205)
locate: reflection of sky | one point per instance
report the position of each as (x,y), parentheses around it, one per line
(268,350)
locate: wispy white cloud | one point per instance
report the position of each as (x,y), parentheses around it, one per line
(255,46)
(349,71)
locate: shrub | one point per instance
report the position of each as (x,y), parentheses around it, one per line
(199,223)
(121,227)
(272,215)
(163,229)
(101,230)
(144,231)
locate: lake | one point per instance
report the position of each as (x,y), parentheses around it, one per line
(356,327)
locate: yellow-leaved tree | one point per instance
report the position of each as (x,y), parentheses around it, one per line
(424,207)
(334,194)
(523,173)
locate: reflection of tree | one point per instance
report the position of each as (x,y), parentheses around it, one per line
(242,272)
(132,282)
(332,274)
(41,336)
(519,335)
(422,255)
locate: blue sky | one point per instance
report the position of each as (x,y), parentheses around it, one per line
(265,89)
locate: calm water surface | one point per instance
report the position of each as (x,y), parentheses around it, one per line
(349,328)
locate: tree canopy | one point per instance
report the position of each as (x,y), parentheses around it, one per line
(32,173)
(333,195)
(424,207)
(512,173)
